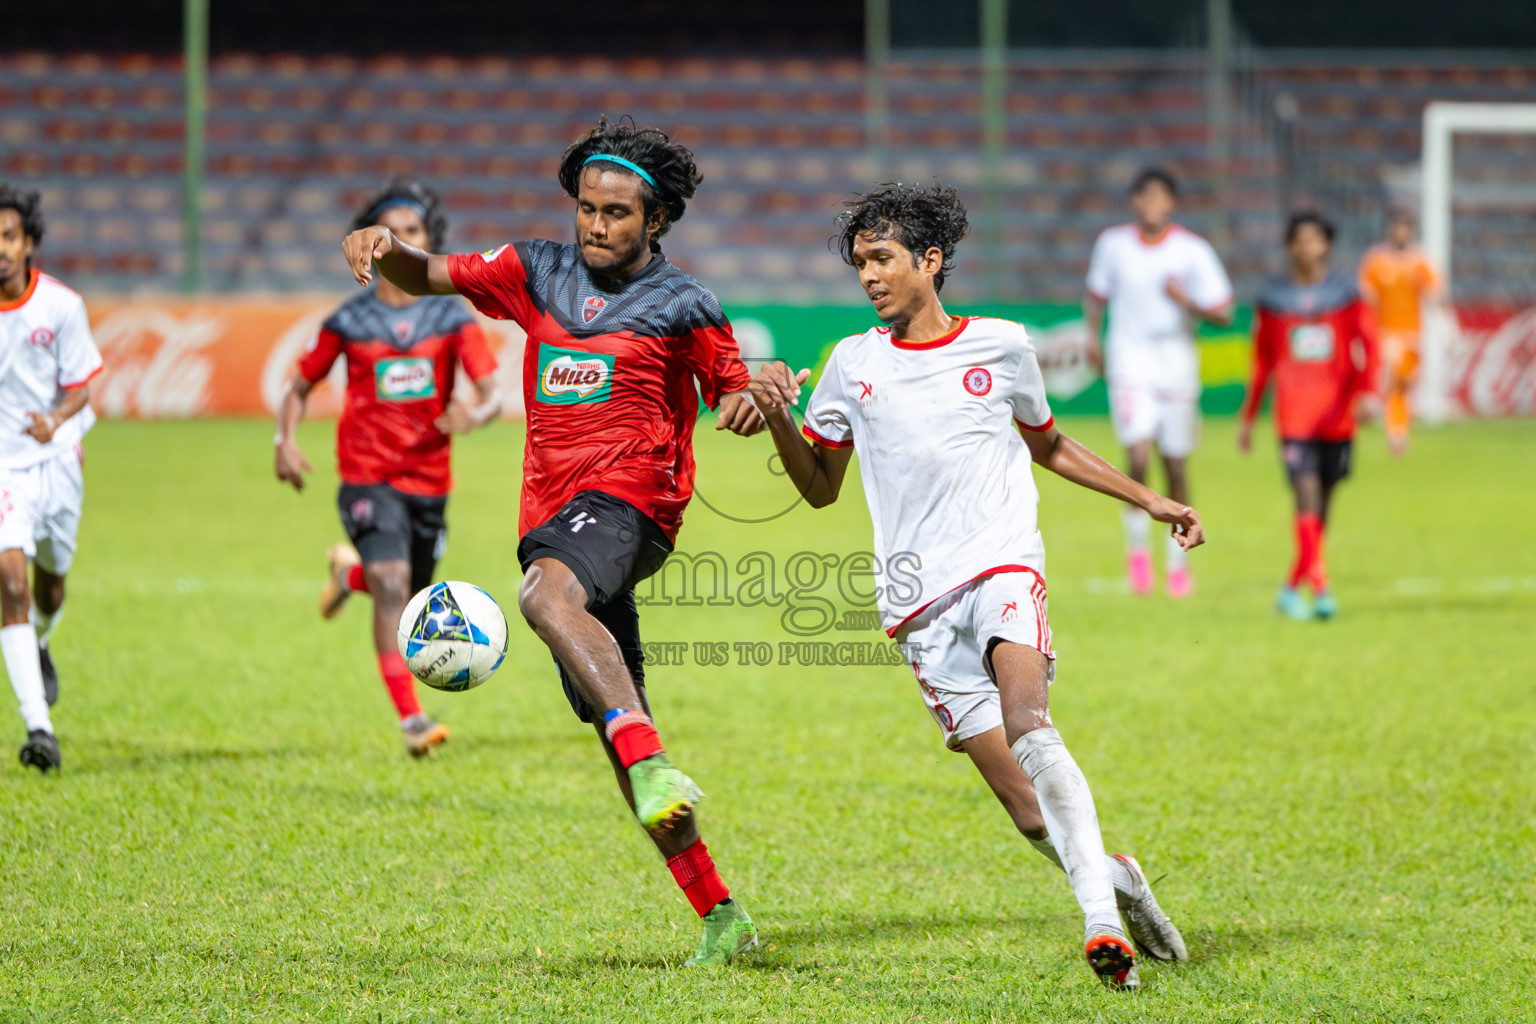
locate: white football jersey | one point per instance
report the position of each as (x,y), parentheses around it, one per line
(46,348)
(945,472)
(1150,335)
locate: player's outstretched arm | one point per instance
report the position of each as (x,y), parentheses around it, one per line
(816,472)
(289,463)
(1063,456)
(415,272)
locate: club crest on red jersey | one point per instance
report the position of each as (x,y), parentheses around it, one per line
(978,381)
(593,306)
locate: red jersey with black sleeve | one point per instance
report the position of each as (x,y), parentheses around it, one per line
(1318,342)
(401,362)
(612,374)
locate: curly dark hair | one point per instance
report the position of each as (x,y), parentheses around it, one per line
(920,217)
(405,192)
(1305,217)
(28,206)
(670,163)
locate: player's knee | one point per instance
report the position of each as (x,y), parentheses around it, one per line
(15,595)
(540,600)
(388,583)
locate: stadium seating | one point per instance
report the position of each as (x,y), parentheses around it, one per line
(295,143)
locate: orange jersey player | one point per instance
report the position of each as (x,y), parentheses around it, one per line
(1315,339)
(1396,278)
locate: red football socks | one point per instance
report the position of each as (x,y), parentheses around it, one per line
(1309,548)
(633,736)
(696,876)
(356,582)
(400,684)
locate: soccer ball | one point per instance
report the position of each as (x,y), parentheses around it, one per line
(452,636)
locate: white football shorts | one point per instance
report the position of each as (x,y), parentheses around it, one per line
(1169,418)
(949,640)
(40,509)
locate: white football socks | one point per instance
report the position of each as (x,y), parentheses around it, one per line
(1066,803)
(45,624)
(18,645)
(1119,874)
(1178,558)
(1138,529)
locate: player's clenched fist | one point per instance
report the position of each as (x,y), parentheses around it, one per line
(365,246)
(776,387)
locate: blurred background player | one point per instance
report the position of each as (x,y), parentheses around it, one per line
(394,437)
(1396,280)
(48,359)
(1158,280)
(617,337)
(937,405)
(1313,335)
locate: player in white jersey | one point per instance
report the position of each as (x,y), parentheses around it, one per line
(1158,280)
(946,429)
(47,359)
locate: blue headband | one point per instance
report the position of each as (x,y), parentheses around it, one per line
(390,204)
(623,163)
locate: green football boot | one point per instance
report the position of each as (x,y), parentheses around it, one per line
(662,793)
(728,932)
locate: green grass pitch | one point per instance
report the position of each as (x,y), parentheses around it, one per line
(1340,814)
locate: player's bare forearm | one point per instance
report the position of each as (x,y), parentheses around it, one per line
(1072,461)
(289,463)
(805,463)
(1221,316)
(45,424)
(412,270)
(1093,319)
(459,418)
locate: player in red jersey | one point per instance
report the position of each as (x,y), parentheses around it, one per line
(621,346)
(392,444)
(1316,338)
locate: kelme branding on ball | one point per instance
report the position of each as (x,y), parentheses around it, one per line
(568,377)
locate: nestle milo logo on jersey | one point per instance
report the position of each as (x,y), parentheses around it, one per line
(402,380)
(568,377)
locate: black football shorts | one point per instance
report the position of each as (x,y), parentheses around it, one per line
(1329,460)
(385,525)
(610,546)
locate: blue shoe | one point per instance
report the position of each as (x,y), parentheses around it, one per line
(1290,603)
(1324,606)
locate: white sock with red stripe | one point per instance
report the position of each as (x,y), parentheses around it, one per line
(1071,820)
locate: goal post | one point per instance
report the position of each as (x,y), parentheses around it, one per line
(1441,122)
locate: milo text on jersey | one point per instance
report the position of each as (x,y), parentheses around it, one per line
(46,349)
(945,471)
(1319,344)
(401,364)
(609,373)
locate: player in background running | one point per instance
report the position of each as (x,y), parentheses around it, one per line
(1396,281)
(48,358)
(947,414)
(393,441)
(1158,281)
(1314,337)
(621,347)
